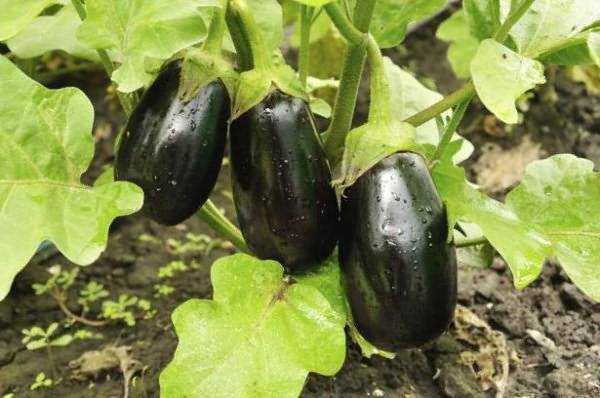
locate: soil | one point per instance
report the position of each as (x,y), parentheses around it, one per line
(543,341)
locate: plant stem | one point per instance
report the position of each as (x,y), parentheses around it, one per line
(70,314)
(354,62)
(468,242)
(214,40)
(211,215)
(460,95)
(343,24)
(304,52)
(52,362)
(457,117)
(247,38)
(128,102)
(502,34)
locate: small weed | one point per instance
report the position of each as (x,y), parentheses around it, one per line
(169,270)
(123,309)
(41,381)
(162,290)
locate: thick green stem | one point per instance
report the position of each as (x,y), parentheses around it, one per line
(354,62)
(343,24)
(247,38)
(468,242)
(214,40)
(304,51)
(380,108)
(128,102)
(457,117)
(211,215)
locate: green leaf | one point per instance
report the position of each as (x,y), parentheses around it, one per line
(593,44)
(560,198)
(16,15)
(579,50)
(46,144)
(501,76)
(320,107)
(367,349)
(391,18)
(286,79)
(135,31)
(49,33)
(370,143)
(269,18)
(327,278)
(548,23)
(201,68)
(523,248)
(478,256)
(258,337)
(252,87)
(463,45)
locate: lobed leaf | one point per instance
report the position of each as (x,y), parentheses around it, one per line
(463,45)
(45,146)
(501,76)
(258,337)
(136,30)
(16,15)
(560,199)
(52,32)
(522,248)
(549,23)
(551,214)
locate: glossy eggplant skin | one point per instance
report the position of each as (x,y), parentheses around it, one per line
(174,149)
(399,269)
(286,206)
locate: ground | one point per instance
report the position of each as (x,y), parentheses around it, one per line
(543,341)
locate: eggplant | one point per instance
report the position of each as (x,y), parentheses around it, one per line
(398,266)
(173,149)
(286,207)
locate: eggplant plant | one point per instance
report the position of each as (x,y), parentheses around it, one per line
(343,224)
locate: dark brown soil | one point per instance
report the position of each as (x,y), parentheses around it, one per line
(552,307)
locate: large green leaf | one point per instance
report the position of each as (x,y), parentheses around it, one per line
(391,18)
(463,45)
(135,30)
(328,279)
(552,214)
(45,146)
(259,336)
(501,76)
(52,32)
(16,15)
(522,248)
(549,23)
(560,198)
